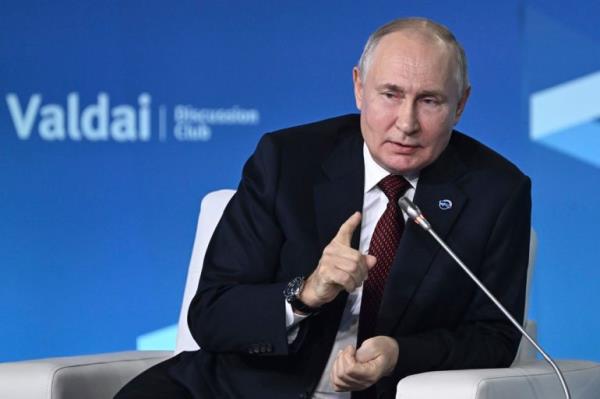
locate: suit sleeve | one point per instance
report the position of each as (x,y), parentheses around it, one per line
(484,338)
(239,306)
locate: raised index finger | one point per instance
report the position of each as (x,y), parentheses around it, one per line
(344,234)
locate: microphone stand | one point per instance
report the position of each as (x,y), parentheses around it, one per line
(415,214)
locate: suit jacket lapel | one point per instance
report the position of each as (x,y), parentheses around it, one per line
(338,192)
(417,249)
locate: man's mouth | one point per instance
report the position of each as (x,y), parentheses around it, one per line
(403,148)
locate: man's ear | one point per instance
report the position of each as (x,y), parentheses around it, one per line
(358,89)
(460,108)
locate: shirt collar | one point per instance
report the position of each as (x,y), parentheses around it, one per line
(374,173)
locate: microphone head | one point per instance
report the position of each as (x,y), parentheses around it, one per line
(413,212)
(409,208)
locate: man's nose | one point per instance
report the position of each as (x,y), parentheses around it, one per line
(406,119)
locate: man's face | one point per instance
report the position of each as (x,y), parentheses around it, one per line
(409,101)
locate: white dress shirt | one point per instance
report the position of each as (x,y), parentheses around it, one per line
(374,204)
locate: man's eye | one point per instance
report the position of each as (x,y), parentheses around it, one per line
(430,101)
(389,94)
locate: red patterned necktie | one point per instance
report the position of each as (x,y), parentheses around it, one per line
(384,243)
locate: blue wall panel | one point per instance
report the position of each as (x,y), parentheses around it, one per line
(117,117)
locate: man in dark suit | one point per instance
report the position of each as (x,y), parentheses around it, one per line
(284,308)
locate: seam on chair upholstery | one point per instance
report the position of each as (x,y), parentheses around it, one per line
(53,379)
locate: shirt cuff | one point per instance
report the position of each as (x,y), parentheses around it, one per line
(291,322)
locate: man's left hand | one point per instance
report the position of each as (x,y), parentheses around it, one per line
(355,370)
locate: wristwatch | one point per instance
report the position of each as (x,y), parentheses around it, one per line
(292,293)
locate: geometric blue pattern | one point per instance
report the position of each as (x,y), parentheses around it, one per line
(563,77)
(161,339)
(581,142)
(565,105)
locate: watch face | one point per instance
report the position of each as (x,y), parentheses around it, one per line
(293,288)
(291,292)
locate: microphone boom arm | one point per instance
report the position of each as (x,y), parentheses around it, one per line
(415,214)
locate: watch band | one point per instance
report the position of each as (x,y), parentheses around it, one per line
(292,293)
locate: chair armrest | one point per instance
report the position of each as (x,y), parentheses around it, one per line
(527,381)
(91,377)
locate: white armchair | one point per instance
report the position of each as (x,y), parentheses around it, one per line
(101,376)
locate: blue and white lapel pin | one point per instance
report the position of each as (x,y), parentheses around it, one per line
(445,204)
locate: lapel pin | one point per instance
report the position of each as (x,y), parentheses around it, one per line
(445,204)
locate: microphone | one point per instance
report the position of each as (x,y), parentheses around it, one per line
(416,215)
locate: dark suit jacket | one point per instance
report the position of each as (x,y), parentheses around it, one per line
(297,189)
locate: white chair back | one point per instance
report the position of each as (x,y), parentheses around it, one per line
(211,209)
(526,352)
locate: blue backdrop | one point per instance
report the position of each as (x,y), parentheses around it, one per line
(117,117)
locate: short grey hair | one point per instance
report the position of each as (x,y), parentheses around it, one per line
(423,25)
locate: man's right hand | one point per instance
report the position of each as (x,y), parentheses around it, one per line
(341,267)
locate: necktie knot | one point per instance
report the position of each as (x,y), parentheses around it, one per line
(393,186)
